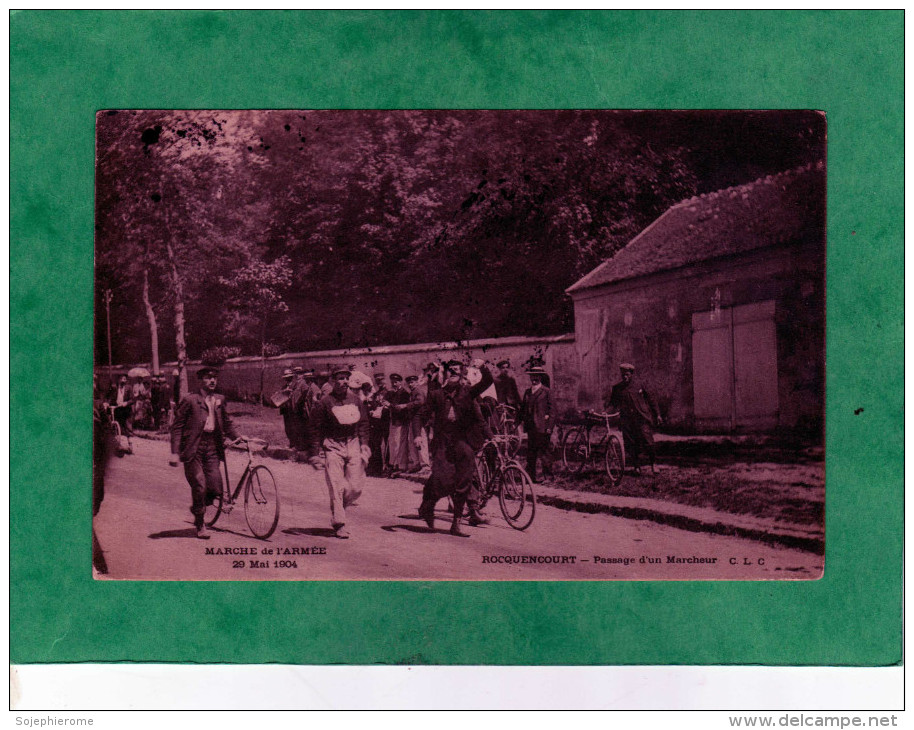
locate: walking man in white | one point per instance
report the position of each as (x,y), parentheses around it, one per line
(341,426)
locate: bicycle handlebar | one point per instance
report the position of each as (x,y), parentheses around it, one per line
(602,416)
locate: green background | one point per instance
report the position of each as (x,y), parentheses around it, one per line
(67,65)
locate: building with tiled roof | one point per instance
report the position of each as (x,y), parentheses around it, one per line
(720,303)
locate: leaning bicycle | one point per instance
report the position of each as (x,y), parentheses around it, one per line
(595,442)
(261,498)
(498,474)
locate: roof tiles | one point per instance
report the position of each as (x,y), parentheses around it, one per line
(772,210)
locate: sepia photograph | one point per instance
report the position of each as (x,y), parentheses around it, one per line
(510,345)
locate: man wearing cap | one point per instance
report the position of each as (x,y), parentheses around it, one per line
(285,408)
(637,413)
(506,386)
(323,382)
(536,415)
(159,400)
(432,373)
(197,438)
(302,403)
(311,379)
(378,427)
(416,440)
(340,424)
(459,433)
(398,436)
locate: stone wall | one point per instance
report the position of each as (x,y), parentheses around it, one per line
(648,321)
(240,377)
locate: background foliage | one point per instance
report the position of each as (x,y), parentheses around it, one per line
(328,229)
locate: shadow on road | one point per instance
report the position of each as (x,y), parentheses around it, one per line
(312,531)
(412,528)
(188,532)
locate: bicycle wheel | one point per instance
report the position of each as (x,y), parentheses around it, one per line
(615,460)
(574,450)
(483,475)
(261,502)
(516,497)
(213,511)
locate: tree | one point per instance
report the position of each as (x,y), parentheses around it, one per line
(255,293)
(172,204)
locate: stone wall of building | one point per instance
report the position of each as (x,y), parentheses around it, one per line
(648,322)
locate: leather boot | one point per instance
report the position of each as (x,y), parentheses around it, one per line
(427,513)
(476,517)
(459,502)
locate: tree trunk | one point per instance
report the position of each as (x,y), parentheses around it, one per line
(153,325)
(180,343)
(263,356)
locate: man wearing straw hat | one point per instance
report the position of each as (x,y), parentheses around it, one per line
(536,415)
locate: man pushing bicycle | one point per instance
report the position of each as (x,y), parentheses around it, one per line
(198,439)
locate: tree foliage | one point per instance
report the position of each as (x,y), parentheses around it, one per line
(349,228)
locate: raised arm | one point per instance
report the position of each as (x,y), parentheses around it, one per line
(484,382)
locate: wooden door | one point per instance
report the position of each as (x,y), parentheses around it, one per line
(734,367)
(712,370)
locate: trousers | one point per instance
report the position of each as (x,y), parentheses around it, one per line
(638,436)
(377,442)
(453,472)
(421,454)
(403,452)
(345,475)
(539,446)
(204,476)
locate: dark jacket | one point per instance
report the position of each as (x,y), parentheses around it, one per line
(506,390)
(536,410)
(401,397)
(633,402)
(190,419)
(468,423)
(378,399)
(417,400)
(111,396)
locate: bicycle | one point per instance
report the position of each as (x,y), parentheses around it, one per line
(115,433)
(593,440)
(499,473)
(502,419)
(261,498)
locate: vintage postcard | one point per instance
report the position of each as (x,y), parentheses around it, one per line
(459,345)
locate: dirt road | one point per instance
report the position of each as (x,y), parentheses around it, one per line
(146,531)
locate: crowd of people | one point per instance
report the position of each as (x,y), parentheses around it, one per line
(352,425)
(398,437)
(143,404)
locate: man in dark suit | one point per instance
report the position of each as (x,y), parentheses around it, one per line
(637,414)
(459,432)
(398,434)
(536,415)
(506,386)
(197,438)
(301,401)
(378,427)
(418,440)
(285,408)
